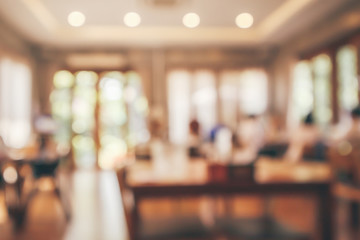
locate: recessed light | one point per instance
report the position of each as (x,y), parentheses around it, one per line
(76,19)
(191,20)
(132,19)
(244,20)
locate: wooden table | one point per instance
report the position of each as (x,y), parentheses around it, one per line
(146,182)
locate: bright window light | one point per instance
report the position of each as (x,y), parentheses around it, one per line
(179,90)
(252,92)
(15,103)
(302,91)
(132,19)
(76,19)
(191,96)
(191,20)
(244,20)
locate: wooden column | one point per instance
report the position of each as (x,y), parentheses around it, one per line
(334,86)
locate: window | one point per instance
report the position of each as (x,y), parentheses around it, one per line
(346,60)
(15,103)
(242,93)
(203,97)
(103,116)
(137,106)
(195,95)
(312,85)
(322,88)
(61,98)
(179,105)
(228,98)
(302,101)
(191,95)
(122,111)
(252,92)
(83,122)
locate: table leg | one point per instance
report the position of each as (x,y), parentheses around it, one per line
(134,231)
(326,207)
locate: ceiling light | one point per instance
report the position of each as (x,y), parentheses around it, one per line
(76,19)
(244,20)
(191,20)
(132,19)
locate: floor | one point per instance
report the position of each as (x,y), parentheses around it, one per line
(97,212)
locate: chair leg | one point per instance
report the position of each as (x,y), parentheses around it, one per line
(64,203)
(354,214)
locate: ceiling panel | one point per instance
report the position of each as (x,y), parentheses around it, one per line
(45,21)
(212,12)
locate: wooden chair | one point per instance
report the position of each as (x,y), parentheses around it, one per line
(275,150)
(316,152)
(157,229)
(345,162)
(48,168)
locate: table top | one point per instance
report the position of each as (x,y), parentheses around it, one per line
(24,155)
(195,173)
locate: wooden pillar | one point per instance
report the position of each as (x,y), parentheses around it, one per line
(159,86)
(358,66)
(334,86)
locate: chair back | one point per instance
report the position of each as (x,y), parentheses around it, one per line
(275,150)
(345,162)
(44,168)
(316,152)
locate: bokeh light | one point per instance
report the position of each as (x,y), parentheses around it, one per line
(244,20)
(10,175)
(191,20)
(76,19)
(132,19)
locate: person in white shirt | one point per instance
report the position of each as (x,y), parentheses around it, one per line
(250,136)
(307,135)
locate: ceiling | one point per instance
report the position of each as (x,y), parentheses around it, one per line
(45,21)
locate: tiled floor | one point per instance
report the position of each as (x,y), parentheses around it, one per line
(98,215)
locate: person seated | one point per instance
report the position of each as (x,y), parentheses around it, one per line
(305,139)
(219,146)
(338,131)
(345,151)
(250,136)
(353,134)
(214,131)
(194,140)
(145,150)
